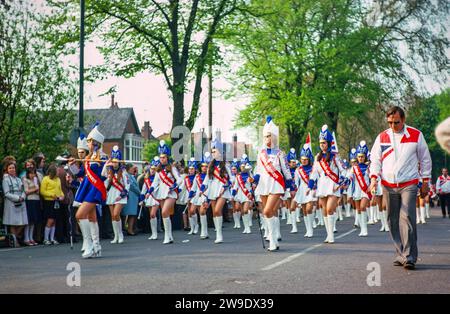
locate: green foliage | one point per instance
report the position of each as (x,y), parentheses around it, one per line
(424,115)
(311,62)
(443,103)
(150,149)
(36,94)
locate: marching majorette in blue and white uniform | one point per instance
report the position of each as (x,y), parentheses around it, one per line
(148,198)
(218,186)
(330,176)
(362,195)
(291,157)
(303,198)
(92,191)
(166,183)
(244,192)
(83,151)
(271,184)
(345,201)
(117,187)
(294,207)
(236,205)
(351,187)
(198,198)
(186,188)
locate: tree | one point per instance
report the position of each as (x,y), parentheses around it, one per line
(314,62)
(423,114)
(171,38)
(36,94)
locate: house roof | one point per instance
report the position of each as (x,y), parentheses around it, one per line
(113,121)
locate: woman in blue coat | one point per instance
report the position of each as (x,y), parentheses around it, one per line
(131,208)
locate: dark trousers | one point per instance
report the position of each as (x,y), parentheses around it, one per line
(62,224)
(401,211)
(444,199)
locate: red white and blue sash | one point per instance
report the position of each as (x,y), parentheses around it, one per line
(242,186)
(270,169)
(328,172)
(94,179)
(360,178)
(303,174)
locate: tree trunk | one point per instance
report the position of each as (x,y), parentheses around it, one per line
(295,135)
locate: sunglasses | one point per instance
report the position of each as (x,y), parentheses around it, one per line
(393,122)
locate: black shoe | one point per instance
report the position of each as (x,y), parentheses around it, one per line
(409,265)
(397,263)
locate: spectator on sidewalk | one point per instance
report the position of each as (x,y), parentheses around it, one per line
(33,203)
(52,194)
(15,212)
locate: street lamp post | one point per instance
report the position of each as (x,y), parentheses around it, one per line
(81,87)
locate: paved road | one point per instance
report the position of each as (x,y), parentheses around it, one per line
(239,265)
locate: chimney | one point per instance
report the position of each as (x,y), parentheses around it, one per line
(146,130)
(114,105)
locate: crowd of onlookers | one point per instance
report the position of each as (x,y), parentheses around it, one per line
(36,203)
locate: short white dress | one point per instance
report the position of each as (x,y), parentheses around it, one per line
(275,160)
(151,200)
(214,186)
(113,192)
(302,187)
(325,185)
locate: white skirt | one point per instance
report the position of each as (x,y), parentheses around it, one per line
(267,185)
(214,189)
(286,196)
(241,197)
(198,199)
(150,202)
(301,197)
(112,195)
(325,187)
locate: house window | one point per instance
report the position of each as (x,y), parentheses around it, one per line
(133,147)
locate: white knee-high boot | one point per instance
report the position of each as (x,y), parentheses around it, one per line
(245,222)
(357,219)
(154,228)
(363,224)
(289,218)
(311,228)
(297,214)
(422,215)
(218,224)
(306,220)
(191,224)
(277,229)
(235,219)
(370,213)
(204,227)
(347,210)
(283,213)
(195,220)
(95,234)
(167,231)
(386,225)
(383,226)
(86,232)
(116,232)
(271,226)
(120,233)
(339,213)
(293,215)
(427,210)
(327,229)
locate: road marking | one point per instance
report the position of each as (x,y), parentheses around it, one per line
(216,292)
(297,255)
